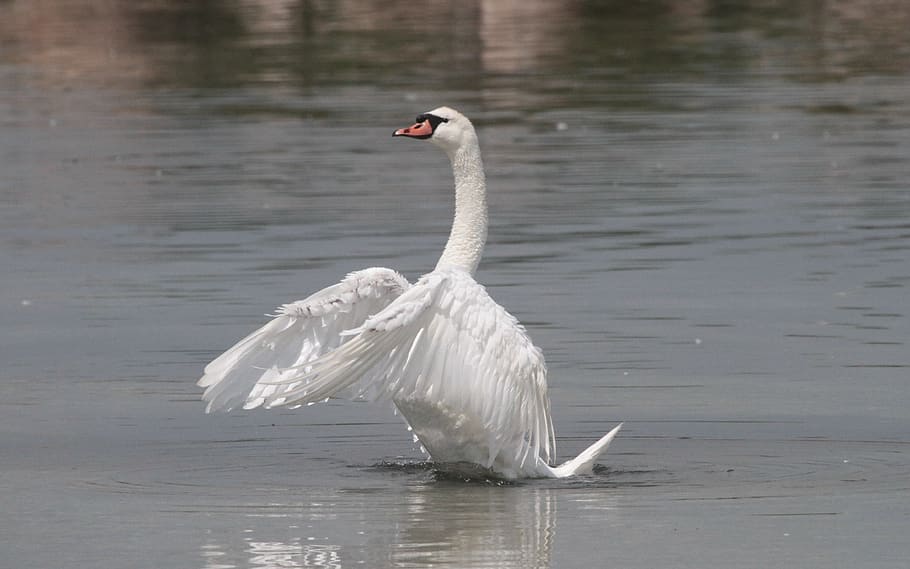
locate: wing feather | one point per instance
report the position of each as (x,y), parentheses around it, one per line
(444,339)
(300,332)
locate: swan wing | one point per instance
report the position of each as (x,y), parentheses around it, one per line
(299,332)
(443,340)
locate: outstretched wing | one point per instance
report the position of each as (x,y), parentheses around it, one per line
(445,340)
(300,332)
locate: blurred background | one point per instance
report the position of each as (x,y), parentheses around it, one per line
(699,210)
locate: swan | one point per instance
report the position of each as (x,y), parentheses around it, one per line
(461,371)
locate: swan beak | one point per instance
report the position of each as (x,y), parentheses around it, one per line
(417,130)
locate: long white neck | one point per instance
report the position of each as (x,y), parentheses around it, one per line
(469,230)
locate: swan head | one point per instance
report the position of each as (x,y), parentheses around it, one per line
(445,127)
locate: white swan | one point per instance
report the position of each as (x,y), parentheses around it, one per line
(460,369)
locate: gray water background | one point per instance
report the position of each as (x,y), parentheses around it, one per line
(700,210)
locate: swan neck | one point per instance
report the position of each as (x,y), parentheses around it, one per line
(469,229)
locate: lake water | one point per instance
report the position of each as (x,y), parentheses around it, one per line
(700,210)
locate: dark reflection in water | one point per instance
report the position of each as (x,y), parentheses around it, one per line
(700,210)
(576,44)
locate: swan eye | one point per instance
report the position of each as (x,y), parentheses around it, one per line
(434,120)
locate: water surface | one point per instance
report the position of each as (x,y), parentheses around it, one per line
(699,210)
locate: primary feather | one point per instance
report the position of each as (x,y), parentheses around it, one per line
(299,333)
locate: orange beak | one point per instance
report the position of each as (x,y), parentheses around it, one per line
(417,130)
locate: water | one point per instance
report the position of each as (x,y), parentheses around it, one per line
(700,211)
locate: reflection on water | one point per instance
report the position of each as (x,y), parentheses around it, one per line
(303,44)
(437,524)
(275,555)
(478,526)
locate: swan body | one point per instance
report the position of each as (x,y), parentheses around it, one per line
(460,369)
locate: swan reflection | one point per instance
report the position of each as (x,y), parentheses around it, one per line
(449,524)
(276,554)
(478,526)
(291,554)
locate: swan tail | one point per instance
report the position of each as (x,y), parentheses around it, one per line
(584,462)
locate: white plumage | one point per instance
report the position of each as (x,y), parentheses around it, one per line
(301,332)
(461,370)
